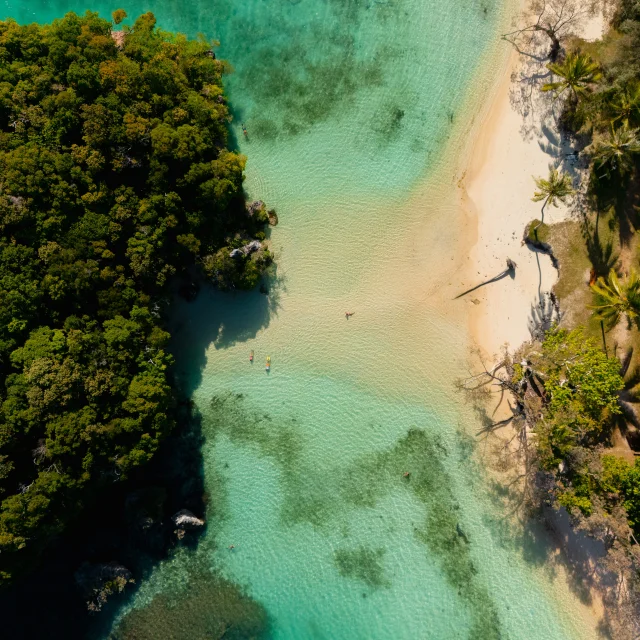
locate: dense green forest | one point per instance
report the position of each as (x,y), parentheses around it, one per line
(116,183)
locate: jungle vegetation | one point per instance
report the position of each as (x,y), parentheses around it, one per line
(116,181)
(575,386)
(599,84)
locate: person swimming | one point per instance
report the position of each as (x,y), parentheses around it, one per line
(244,130)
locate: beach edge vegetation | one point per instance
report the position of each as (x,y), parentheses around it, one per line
(575,419)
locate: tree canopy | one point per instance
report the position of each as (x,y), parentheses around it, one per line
(581,385)
(115,177)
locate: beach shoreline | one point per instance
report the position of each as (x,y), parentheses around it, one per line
(497,191)
(517,140)
(511,144)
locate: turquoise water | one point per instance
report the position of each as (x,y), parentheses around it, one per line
(354,110)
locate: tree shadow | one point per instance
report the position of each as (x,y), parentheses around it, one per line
(601,255)
(620,195)
(116,526)
(546,539)
(507,272)
(129,523)
(544,315)
(219,320)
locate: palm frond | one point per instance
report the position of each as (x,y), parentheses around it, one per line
(577,72)
(557,187)
(616,153)
(614,297)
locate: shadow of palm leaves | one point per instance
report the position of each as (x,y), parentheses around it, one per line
(544,315)
(602,255)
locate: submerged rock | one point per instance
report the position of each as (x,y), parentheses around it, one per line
(461,533)
(185,520)
(100,581)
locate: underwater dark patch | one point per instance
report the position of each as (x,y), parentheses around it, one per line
(206,606)
(362,564)
(415,463)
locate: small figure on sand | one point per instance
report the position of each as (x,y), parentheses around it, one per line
(348,314)
(244,130)
(511,265)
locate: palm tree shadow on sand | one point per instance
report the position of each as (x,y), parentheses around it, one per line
(509,271)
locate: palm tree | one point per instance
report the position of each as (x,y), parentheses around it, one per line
(577,72)
(616,154)
(614,297)
(624,105)
(556,188)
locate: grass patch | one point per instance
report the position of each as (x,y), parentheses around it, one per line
(579,249)
(572,289)
(537,234)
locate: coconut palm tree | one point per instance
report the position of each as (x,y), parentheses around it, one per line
(624,105)
(614,298)
(556,188)
(577,72)
(616,155)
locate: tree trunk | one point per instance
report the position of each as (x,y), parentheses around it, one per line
(555,49)
(604,340)
(535,229)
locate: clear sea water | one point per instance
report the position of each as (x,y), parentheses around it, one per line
(355,111)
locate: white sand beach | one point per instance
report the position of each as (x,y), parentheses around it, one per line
(517,141)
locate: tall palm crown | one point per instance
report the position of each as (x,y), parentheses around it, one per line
(617,153)
(624,105)
(553,189)
(614,297)
(577,72)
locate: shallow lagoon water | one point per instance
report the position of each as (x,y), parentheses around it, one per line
(351,107)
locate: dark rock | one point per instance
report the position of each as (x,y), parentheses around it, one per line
(255,207)
(189,291)
(461,533)
(247,249)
